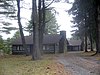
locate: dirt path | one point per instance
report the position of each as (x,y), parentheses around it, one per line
(78,65)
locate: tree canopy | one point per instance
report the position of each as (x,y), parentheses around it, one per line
(85,16)
(51,26)
(7,11)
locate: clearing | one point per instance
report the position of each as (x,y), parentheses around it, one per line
(22,65)
(72,63)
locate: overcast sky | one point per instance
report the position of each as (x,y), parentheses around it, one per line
(63,19)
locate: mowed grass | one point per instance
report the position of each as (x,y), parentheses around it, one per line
(23,65)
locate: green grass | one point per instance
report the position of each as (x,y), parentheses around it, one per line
(22,65)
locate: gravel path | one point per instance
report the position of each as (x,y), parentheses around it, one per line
(78,65)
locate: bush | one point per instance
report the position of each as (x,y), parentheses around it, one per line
(7,49)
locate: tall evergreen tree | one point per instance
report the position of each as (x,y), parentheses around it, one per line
(84,19)
(51,26)
(7,10)
(97,20)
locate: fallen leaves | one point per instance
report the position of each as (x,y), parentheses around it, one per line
(21,65)
(56,69)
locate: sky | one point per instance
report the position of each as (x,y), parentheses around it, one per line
(63,19)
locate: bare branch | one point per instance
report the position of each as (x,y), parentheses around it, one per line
(6,23)
(7,12)
(2,5)
(49,19)
(49,4)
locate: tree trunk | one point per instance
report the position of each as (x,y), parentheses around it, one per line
(40,26)
(86,31)
(99,26)
(91,42)
(86,42)
(20,28)
(82,45)
(36,54)
(97,11)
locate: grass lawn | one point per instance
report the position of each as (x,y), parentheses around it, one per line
(22,65)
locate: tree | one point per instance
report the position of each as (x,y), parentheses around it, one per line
(20,28)
(7,10)
(8,7)
(51,26)
(45,26)
(7,45)
(84,19)
(1,43)
(38,24)
(16,35)
(97,20)
(36,54)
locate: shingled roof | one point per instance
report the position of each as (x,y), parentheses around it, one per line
(74,42)
(28,40)
(48,39)
(51,38)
